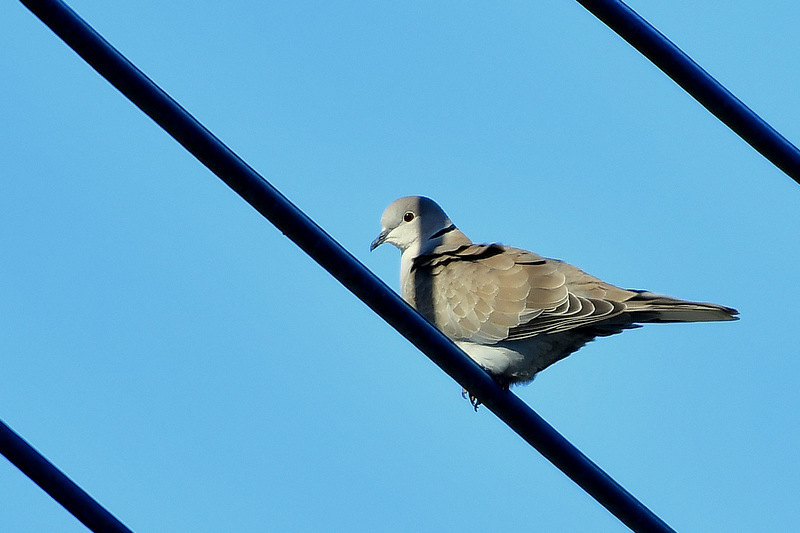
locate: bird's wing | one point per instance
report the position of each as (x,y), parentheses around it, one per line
(493,293)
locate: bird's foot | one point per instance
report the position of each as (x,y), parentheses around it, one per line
(504,384)
(475,402)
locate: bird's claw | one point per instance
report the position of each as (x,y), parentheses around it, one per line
(475,402)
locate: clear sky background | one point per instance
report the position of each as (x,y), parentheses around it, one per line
(193,370)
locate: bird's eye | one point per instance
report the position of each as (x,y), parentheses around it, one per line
(408,217)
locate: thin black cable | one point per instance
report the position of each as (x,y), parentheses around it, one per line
(61,488)
(698,83)
(330,255)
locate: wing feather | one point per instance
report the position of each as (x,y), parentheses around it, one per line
(492,293)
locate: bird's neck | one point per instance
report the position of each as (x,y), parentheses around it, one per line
(442,241)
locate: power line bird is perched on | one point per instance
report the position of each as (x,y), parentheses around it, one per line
(512,311)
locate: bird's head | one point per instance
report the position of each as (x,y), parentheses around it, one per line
(414,222)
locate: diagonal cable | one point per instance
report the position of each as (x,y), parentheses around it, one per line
(338,262)
(61,488)
(697,82)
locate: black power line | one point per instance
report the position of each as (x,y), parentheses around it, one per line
(697,82)
(61,488)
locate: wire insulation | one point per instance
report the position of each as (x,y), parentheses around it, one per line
(56,484)
(697,82)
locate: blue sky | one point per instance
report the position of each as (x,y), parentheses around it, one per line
(193,370)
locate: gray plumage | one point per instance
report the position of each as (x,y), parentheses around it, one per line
(512,311)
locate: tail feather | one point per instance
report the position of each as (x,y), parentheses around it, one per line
(651,307)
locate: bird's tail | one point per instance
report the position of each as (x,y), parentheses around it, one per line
(651,307)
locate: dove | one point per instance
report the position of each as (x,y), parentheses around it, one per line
(512,311)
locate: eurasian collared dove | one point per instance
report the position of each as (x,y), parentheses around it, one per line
(512,311)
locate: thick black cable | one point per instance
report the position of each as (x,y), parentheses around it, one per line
(698,83)
(329,254)
(56,484)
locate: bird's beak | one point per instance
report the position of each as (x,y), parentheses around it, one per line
(380,239)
